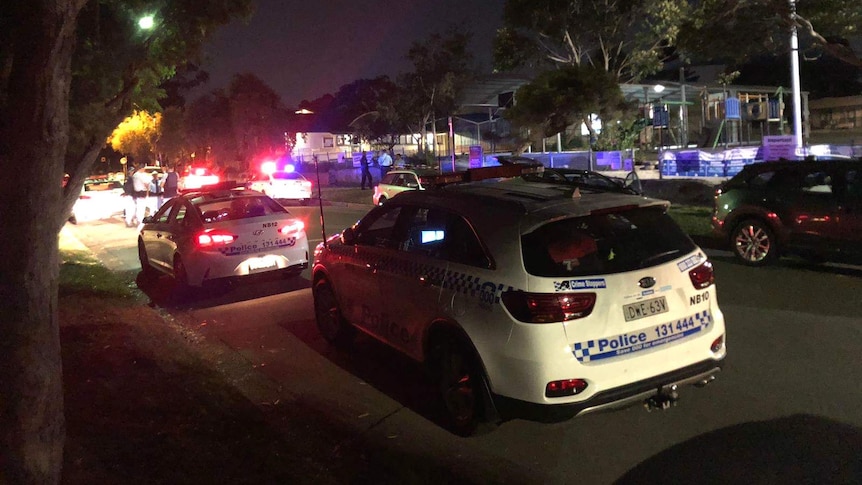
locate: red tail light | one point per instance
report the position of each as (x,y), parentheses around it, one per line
(702,276)
(548,307)
(295,227)
(565,387)
(214,237)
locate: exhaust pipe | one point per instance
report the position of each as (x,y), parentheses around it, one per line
(704,382)
(666,398)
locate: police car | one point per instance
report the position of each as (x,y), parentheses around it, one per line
(527,299)
(222,233)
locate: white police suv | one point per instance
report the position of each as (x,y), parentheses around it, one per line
(527,299)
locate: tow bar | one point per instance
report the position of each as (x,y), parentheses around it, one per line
(664,400)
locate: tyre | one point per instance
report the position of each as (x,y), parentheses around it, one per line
(753,243)
(462,387)
(330,322)
(147,271)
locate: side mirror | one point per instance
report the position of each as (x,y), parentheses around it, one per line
(348,237)
(147,219)
(633,182)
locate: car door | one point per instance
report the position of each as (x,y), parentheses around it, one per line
(850,213)
(356,271)
(179,231)
(808,206)
(155,232)
(411,277)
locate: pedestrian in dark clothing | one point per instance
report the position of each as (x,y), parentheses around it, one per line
(366,174)
(170,184)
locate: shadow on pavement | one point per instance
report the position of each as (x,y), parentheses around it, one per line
(163,292)
(795,449)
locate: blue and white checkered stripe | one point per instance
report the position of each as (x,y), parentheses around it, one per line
(466,284)
(639,340)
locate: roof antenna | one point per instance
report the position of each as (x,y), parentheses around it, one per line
(320,200)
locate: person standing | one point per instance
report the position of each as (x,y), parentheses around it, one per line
(385,162)
(141,182)
(156,190)
(399,161)
(366,174)
(170,184)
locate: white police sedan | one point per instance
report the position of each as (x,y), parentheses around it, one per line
(527,299)
(218,234)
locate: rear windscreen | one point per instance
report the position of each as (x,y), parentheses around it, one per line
(238,208)
(612,242)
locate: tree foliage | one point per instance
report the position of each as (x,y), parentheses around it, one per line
(70,71)
(559,98)
(257,116)
(739,30)
(137,136)
(627,38)
(442,67)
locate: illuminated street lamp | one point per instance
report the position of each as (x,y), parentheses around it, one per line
(146,22)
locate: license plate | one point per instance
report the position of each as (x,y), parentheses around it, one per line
(646,308)
(261,264)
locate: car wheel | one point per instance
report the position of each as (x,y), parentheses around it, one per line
(381,200)
(461,384)
(330,321)
(753,243)
(146,269)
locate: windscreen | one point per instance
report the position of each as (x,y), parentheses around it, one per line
(238,208)
(612,242)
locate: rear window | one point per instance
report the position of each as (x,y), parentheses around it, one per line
(287,176)
(607,243)
(238,208)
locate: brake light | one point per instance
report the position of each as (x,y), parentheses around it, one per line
(214,237)
(565,387)
(295,227)
(548,307)
(702,276)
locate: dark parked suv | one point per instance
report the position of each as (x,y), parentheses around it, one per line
(811,209)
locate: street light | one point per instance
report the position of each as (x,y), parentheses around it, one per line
(146,22)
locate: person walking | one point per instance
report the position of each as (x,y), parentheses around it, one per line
(170,184)
(366,174)
(385,162)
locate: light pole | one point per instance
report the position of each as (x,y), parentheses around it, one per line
(794,72)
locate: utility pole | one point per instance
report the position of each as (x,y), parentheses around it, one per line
(794,72)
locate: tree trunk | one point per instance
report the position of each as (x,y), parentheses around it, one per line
(34,128)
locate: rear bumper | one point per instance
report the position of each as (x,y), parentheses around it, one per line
(617,398)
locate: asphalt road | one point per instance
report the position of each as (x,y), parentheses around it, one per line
(784,410)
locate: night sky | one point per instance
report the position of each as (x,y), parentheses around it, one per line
(305,49)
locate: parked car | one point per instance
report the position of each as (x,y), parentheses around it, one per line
(400,180)
(282,186)
(203,236)
(100,199)
(526,299)
(811,209)
(196,178)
